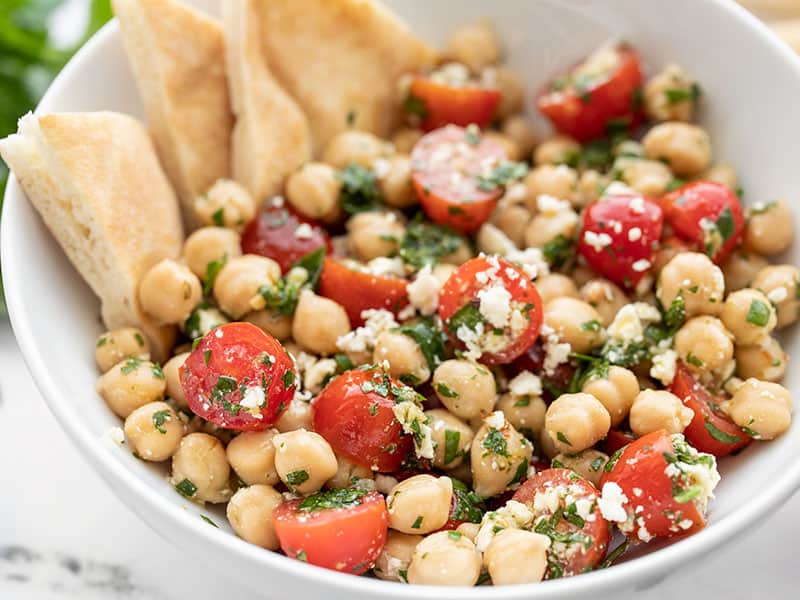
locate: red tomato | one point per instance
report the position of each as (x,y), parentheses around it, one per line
(619,235)
(354,415)
(589,107)
(706,213)
(358,291)
(640,471)
(465,506)
(447,164)
(274,234)
(616,440)
(445,104)
(710,430)
(343,530)
(233,362)
(588,539)
(460,296)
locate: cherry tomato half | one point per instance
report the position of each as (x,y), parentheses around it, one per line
(579,539)
(342,529)
(280,233)
(708,214)
(448,164)
(358,291)
(619,235)
(238,377)
(354,414)
(505,289)
(458,105)
(588,106)
(465,506)
(616,440)
(656,506)
(710,430)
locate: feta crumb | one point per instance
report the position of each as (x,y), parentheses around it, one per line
(423,292)
(597,241)
(556,352)
(381,167)
(304,231)
(664,365)
(612,503)
(617,188)
(531,260)
(414,423)
(514,515)
(525,384)
(634,234)
(253,397)
(497,419)
(550,205)
(495,305)
(778,295)
(641,265)
(363,338)
(637,205)
(382,265)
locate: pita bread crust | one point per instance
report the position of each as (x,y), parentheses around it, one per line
(178,59)
(271,138)
(96,181)
(338,56)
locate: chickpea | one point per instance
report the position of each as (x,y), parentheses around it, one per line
(395,184)
(314,190)
(575,322)
(169,291)
(704,345)
(225,204)
(581,275)
(519,130)
(174,388)
(748,315)
(694,277)
(512,220)
(373,234)
(724,174)
(525,413)
(250,515)
(460,255)
(546,446)
(297,415)
(648,177)
(764,408)
(606,298)
(545,228)
(512,93)
(575,422)
(154,431)
(770,228)
(237,285)
(685,148)
(304,460)
(490,240)
(669,248)
(466,389)
(554,286)
(475,45)
(420,504)
(780,284)
(452,438)
(671,95)
(590,187)
(405,139)
(131,383)
(393,561)
(208,245)
(588,464)
(517,556)
(318,323)
(766,361)
(405,357)
(556,150)
(251,454)
(499,456)
(114,345)
(354,147)
(469,529)
(616,392)
(659,409)
(200,470)
(444,558)
(462,472)
(740,269)
(347,471)
(277,325)
(559,181)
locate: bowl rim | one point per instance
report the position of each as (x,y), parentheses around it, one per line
(137,494)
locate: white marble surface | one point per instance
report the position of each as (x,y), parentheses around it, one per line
(64,534)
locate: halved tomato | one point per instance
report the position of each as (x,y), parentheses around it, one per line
(465,506)
(442,104)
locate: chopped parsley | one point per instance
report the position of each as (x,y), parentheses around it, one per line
(454,535)
(283,296)
(688,494)
(296,478)
(426,243)
(720,435)
(596,464)
(218,217)
(495,442)
(212,270)
(430,339)
(592,325)
(558,251)
(758,314)
(452,440)
(209,521)
(693,360)
(186,488)
(332,499)
(467,504)
(219,394)
(468,316)
(359,189)
(104,340)
(131,364)
(157,372)
(288,379)
(563,438)
(417,522)
(443,390)
(206,356)
(301,556)
(502,175)
(159,418)
(414,105)
(521,472)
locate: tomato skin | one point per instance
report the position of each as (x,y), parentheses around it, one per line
(597,530)
(445,104)
(685,207)
(629,255)
(357,291)
(642,466)
(343,415)
(586,116)
(706,417)
(237,351)
(616,440)
(348,540)
(463,206)
(272,233)
(462,288)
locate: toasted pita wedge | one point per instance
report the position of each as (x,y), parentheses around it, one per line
(178,58)
(271,137)
(96,181)
(339,58)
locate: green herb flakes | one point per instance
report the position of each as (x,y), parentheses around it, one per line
(159,418)
(758,314)
(186,488)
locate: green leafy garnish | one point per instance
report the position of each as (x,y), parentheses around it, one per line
(677,95)
(468,316)
(558,251)
(719,435)
(415,106)
(693,360)
(504,173)
(296,477)
(209,521)
(186,488)
(429,338)
(159,418)
(495,442)
(467,504)
(218,217)
(592,325)
(359,189)
(131,364)
(443,390)
(758,314)
(212,270)
(452,440)
(331,499)
(563,438)
(417,522)
(426,243)
(689,494)
(283,296)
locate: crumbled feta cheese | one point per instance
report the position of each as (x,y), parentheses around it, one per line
(550,205)
(382,266)
(514,515)
(406,312)
(641,265)
(497,419)
(637,205)
(630,320)
(471,339)
(556,351)
(612,503)
(253,397)
(617,188)
(546,500)
(115,435)
(381,167)
(423,292)
(363,338)
(778,295)
(525,384)
(415,423)
(664,365)
(597,241)
(495,305)
(634,234)
(304,231)
(531,260)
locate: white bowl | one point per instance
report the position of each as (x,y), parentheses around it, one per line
(752,83)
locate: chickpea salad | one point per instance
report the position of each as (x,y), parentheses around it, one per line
(470,354)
